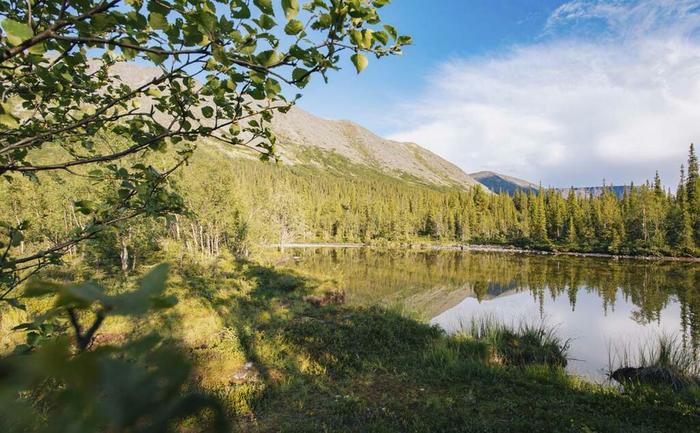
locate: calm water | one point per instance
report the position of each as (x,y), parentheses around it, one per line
(597,303)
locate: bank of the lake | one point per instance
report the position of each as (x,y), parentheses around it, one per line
(288,357)
(288,352)
(479,248)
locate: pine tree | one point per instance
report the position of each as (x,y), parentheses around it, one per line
(539,219)
(458,230)
(687,243)
(693,193)
(679,226)
(571,236)
(658,188)
(693,177)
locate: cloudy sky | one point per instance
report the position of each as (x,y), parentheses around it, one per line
(566,93)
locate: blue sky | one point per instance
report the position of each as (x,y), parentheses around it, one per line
(563,92)
(441,30)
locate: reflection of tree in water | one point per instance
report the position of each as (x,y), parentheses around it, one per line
(438,279)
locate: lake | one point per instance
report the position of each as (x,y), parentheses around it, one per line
(600,304)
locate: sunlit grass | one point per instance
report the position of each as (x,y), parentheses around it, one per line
(521,344)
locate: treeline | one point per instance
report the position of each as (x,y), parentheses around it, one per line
(299,203)
(235,204)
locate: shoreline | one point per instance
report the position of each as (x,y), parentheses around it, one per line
(483,248)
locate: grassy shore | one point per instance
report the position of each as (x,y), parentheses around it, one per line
(286,355)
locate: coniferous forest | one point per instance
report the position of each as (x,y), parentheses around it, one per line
(237,204)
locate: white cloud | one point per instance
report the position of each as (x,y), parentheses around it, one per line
(573,110)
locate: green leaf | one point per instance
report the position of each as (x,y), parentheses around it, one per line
(16,238)
(146,297)
(291,8)
(293,27)
(242,13)
(356,37)
(360,62)
(36,288)
(272,87)
(158,21)
(16,32)
(324,21)
(381,37)
(367,38)
(266,22)
(207,112)
(85,207)
(157,58)
(269,58)
(265,6)
(404,40)
(391,30)
(301,75)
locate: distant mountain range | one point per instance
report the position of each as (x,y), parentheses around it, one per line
(618,190)
(499,183)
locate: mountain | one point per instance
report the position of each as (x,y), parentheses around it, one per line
(595,191)
(498,183)
(337,145)
(308,139)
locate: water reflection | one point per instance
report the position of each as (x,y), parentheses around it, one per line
(595,302)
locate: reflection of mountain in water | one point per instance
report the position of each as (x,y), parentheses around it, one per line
(433,301)
(429,283)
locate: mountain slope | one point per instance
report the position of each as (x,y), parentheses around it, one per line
(304,138)
(301,134)
(497,182)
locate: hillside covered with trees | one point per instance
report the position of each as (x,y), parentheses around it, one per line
(238,204)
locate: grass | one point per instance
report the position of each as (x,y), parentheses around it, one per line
(283,364)
(520,345)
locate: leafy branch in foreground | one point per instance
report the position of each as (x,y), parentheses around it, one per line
(141,386)
(216,70)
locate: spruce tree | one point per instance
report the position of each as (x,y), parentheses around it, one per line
(658,188)
(693,193)
(693,177)
(539,219)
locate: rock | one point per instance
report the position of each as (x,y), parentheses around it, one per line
(653,376)
(247,374)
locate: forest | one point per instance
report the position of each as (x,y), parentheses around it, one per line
(237,205)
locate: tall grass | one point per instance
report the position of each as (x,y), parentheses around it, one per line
(663,360)
(523,344)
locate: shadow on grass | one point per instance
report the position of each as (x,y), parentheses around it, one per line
(344,368)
